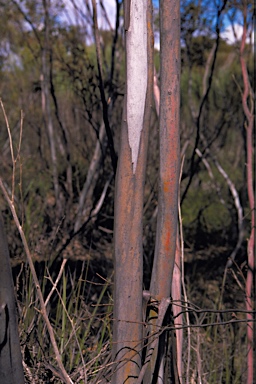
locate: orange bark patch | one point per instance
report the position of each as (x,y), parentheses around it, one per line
(167,241)
(166,187)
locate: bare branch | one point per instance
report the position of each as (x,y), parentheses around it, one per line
(102,91)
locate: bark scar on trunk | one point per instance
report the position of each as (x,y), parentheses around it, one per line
(137,73)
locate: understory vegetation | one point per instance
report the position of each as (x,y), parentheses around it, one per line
(63,187)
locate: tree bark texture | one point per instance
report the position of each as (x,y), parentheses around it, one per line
(176,280)
(11,371)
(169,121)
(248,107)
(169,131)
(127,327)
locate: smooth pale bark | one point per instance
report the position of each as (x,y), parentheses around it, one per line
(136,67)
(169,122)
(11,371)
(130,178)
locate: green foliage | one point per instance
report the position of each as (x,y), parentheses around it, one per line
(202,205)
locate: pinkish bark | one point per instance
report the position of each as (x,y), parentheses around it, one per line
(248,111)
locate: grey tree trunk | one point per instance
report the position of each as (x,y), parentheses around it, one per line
(11,371)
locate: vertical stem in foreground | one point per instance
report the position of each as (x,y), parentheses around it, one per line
(11,370)
(169,149)
(248,111)
(177,275)
(169,121)
(127,327)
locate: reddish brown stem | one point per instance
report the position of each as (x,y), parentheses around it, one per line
(248,111)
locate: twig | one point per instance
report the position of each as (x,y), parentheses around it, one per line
(163,306)
(36,281)
(54,287)
(29,373)
(10,202)
(213,324)
(203,101)
(11,148)
(102,91)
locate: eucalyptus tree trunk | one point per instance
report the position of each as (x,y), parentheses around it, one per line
(176,279)
(11,371)
(248,98)
(167,219)
(130,177)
